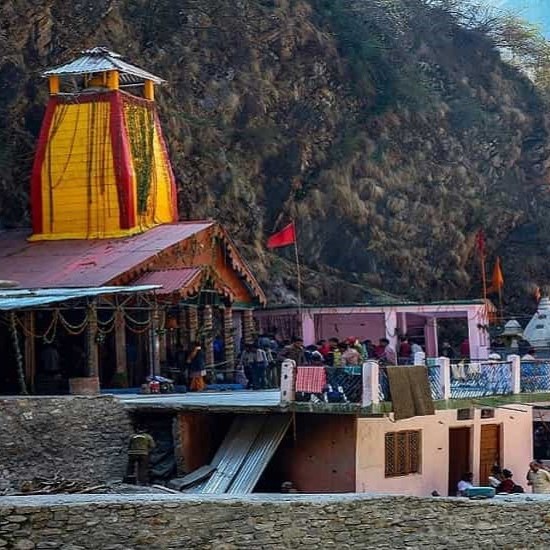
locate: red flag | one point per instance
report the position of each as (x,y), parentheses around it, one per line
(284,237)
(480,242)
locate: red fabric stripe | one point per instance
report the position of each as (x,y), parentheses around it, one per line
(173,190)
(310,379)
(37,214)
(286,236)
(122,162)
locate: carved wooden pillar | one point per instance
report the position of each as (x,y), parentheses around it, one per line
(93,356)
(192,324)
(208,328)
(120,342)
(155,341)
(183,331)
(228,336)
(248,326)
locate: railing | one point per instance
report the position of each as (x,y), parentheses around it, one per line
(535,376)
(481,379)
(328,384)
(369,384)
(435,377)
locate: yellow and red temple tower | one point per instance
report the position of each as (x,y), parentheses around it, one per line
(101,168)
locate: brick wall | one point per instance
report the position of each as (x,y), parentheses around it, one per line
(79,437)
(350,522)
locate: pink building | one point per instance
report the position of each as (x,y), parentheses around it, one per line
(419,321)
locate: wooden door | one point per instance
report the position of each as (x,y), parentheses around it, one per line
(489,452)
(459,456)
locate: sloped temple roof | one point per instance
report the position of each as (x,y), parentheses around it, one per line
(100,262)
(98,60)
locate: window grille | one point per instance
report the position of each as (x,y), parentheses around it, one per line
(403,453)
(464,414)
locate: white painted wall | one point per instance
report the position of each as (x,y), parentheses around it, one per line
(516,441)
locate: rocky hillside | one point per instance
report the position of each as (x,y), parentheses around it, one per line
(388,130)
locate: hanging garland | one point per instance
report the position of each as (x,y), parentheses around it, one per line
(18,354)
(141,131)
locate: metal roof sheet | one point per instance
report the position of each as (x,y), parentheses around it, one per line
(15,299)
(233,451)
(270,436)
(97,60)
(172,280)
(85,263)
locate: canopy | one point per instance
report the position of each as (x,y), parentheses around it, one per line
(13,299)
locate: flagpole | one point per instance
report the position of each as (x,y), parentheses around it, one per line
(500,304)
(298,272)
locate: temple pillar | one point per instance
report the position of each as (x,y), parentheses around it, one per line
(149,90)
(163,332)
(390,322)
(192,324)
(237,332)
(183,332)
(308,328)
(248,326)
(91,336)
(155,341)
(89,385)
(120,347)
(54,84)
(228,336)
(208,327)
(30,354)
(430,335)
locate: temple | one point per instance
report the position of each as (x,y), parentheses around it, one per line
(104,216)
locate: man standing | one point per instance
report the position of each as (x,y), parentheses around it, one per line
(389,357)
(295,352)
(141,444)
(539,478)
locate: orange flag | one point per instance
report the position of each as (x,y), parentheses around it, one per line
(497,280)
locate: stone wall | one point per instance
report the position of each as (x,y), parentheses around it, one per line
(79,437)
(111,522)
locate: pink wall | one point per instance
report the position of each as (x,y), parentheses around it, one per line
(516,449)
(341,325)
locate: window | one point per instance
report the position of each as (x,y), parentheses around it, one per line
(403,453)
(487,413)
(464,414)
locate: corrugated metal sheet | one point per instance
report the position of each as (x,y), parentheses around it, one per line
(23,298)
(233,451)
(229,401)
(98,60)
(84,263)
(261,452)
(171,280)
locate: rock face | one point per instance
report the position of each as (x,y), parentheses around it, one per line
(389,132)
(82,438)
(257,522)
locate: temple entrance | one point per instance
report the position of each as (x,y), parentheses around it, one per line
(489,451)
(459,456)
